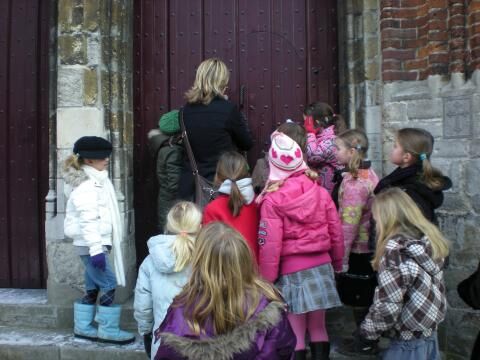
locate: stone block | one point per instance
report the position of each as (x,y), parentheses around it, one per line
(371,48)
(94,51)
(462,328)
(456,203)
(372,71)
(91,14)
(434,126)
(475,202)
(70,84)
(452,169)
(457,117)
(453,276)
(65,15)
(475,148)
(395,112)
(458,148)
(425,109)
(371,22)
(90,93)
(73,123)
(472,177)
(72,49)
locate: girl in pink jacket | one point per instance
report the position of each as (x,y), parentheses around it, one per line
(322,126)
(355,196)
(300,238)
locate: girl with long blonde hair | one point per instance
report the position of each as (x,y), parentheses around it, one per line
(165,270)
(225,311)
(410,300)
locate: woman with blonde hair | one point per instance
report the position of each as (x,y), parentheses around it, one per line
(409,301)
(225,311)
(165,270)
(213,124)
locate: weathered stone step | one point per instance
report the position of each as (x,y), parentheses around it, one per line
(45,344)
(30,309)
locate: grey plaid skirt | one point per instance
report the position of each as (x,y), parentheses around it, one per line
(309,290)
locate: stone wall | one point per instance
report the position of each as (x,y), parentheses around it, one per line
(450,110)
(359,70)
(93,97)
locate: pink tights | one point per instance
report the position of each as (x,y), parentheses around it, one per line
(314,322)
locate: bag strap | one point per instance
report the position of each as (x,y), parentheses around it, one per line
(191,157)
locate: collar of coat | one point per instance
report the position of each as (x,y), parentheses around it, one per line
(224,346)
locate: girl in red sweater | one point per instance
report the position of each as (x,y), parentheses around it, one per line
(235,206)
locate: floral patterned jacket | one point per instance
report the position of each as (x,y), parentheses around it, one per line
(355,199)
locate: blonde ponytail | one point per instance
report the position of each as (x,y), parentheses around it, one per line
(184,220)
(73,161)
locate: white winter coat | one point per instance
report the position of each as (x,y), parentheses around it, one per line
(157,285)
(88,219)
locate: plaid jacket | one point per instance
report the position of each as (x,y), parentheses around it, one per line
(410,297)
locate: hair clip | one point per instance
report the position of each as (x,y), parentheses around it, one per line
(358,147)
(423,156)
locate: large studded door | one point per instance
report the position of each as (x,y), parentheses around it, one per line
(282,55)
(24,44)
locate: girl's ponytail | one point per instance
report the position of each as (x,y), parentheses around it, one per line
(73,161)
(236,200)
(419,143)
(232,166)
(431,176)
(184,220)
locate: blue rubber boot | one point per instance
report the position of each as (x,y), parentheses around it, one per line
(83,315)
(108,319)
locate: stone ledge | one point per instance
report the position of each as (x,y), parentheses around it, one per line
(20,344)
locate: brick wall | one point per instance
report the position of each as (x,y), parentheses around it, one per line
(421,38)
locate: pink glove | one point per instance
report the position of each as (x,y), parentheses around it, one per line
(309,125)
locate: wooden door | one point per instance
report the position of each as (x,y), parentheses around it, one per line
(24,31)
(282,55)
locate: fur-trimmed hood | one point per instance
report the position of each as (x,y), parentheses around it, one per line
(246,341)
(74,177)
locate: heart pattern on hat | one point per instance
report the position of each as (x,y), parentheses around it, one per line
(298,153)
(274,154)
(287,159)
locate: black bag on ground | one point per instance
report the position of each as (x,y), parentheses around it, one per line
(357,286)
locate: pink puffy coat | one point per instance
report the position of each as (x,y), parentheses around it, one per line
(299,229)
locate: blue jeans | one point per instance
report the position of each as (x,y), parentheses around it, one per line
(417,349)
(96,278)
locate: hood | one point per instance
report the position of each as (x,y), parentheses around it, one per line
(420,250)
(156,142)
(160,249)
(299,197)
(228,345)
(74,177)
